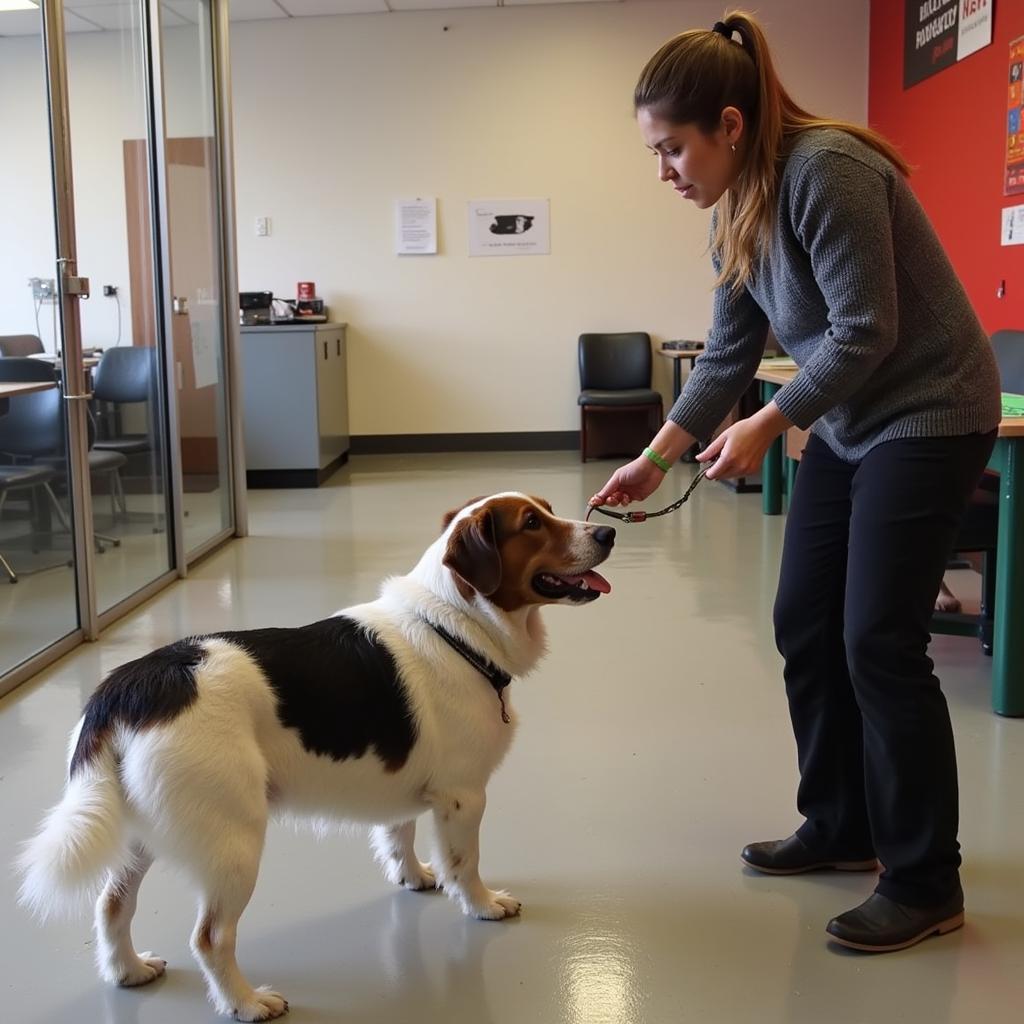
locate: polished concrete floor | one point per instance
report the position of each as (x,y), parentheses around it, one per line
(654,744)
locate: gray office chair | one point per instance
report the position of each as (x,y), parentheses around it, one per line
(20,345)
(124,376)
(34,478)
(33,429)
(615,383)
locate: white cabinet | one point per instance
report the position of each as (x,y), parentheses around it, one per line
(296,403)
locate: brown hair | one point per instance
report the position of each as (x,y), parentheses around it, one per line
(699,73)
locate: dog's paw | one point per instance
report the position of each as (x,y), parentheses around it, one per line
(497,907)
(148,968)
(263,1004)
(418,878)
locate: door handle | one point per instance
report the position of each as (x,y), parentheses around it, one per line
(179,305)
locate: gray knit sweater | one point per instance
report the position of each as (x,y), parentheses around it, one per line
(858,290)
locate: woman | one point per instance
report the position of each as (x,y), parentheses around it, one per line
(817,235)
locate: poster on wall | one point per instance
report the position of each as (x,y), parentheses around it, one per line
(938,33)
(509,227)
(1014,181)
(416,227)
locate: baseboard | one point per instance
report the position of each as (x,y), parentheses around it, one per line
(260,479)
(511,441)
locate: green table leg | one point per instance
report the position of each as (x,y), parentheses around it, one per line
(1008,639)
(791,467)
(771,465)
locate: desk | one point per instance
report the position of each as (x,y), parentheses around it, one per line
(9,391)
(1007,460)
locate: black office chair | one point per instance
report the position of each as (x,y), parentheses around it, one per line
(980,528)
(615,383)
(20,345)
(33,430)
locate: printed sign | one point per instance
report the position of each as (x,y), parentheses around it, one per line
(1014,180)
(938,33)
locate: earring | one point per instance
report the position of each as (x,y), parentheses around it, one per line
(734,147)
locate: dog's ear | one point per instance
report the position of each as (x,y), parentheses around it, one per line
(449,516)
(472,552)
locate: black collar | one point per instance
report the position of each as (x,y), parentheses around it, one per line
(497,677)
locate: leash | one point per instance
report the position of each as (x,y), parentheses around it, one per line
(639,516)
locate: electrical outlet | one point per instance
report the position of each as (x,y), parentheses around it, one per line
(110,289)
(44,289)
(262,227)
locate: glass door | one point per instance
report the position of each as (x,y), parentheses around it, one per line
(116,254)
(196,261)
(111,132)
(38,559)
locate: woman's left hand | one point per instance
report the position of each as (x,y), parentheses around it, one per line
(739,449)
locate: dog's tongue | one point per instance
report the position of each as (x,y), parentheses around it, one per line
(597,582)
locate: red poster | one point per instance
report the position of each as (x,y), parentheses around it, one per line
(1014,127)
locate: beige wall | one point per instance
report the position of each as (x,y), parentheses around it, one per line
(335,118)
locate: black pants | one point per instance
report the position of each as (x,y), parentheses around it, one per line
(866,547)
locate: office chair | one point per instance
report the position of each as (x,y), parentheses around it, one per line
(33,477)
(979,530)
(20,345)
(33,429)
(615,385)
(124,376)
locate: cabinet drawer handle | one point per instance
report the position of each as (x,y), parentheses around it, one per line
(325,350)
(338,341)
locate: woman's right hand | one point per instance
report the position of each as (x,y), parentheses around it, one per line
(633,482)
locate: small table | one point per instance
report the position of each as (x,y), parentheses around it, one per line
(1008,461)
(677,355)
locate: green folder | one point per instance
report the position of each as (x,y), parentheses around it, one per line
(1013,405)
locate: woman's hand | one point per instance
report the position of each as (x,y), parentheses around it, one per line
(633,482)
(740,449)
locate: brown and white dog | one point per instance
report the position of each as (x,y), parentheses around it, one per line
(378,714)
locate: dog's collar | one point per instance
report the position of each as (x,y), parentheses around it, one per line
(497,677)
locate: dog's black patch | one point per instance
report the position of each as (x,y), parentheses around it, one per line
(338,686)
(152,689)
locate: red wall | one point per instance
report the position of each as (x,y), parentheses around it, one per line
(952,129)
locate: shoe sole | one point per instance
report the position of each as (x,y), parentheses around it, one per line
(951,924)
(825,865)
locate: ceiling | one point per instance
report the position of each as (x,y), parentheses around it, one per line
(110,15)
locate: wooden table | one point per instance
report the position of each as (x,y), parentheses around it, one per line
(1008,461)
(9,391)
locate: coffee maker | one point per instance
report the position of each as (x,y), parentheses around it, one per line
(255,308)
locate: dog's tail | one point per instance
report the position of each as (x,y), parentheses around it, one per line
(79,841)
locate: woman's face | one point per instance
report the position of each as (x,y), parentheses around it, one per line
(699,167)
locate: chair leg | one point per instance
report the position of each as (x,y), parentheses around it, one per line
(57,508)
(583,433)
(112,541)
(12,576)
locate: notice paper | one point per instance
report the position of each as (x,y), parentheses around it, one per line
(415,227)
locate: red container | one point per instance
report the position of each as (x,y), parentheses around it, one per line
(307,291)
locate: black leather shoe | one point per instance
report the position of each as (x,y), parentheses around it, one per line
(791,857)
(880,925)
